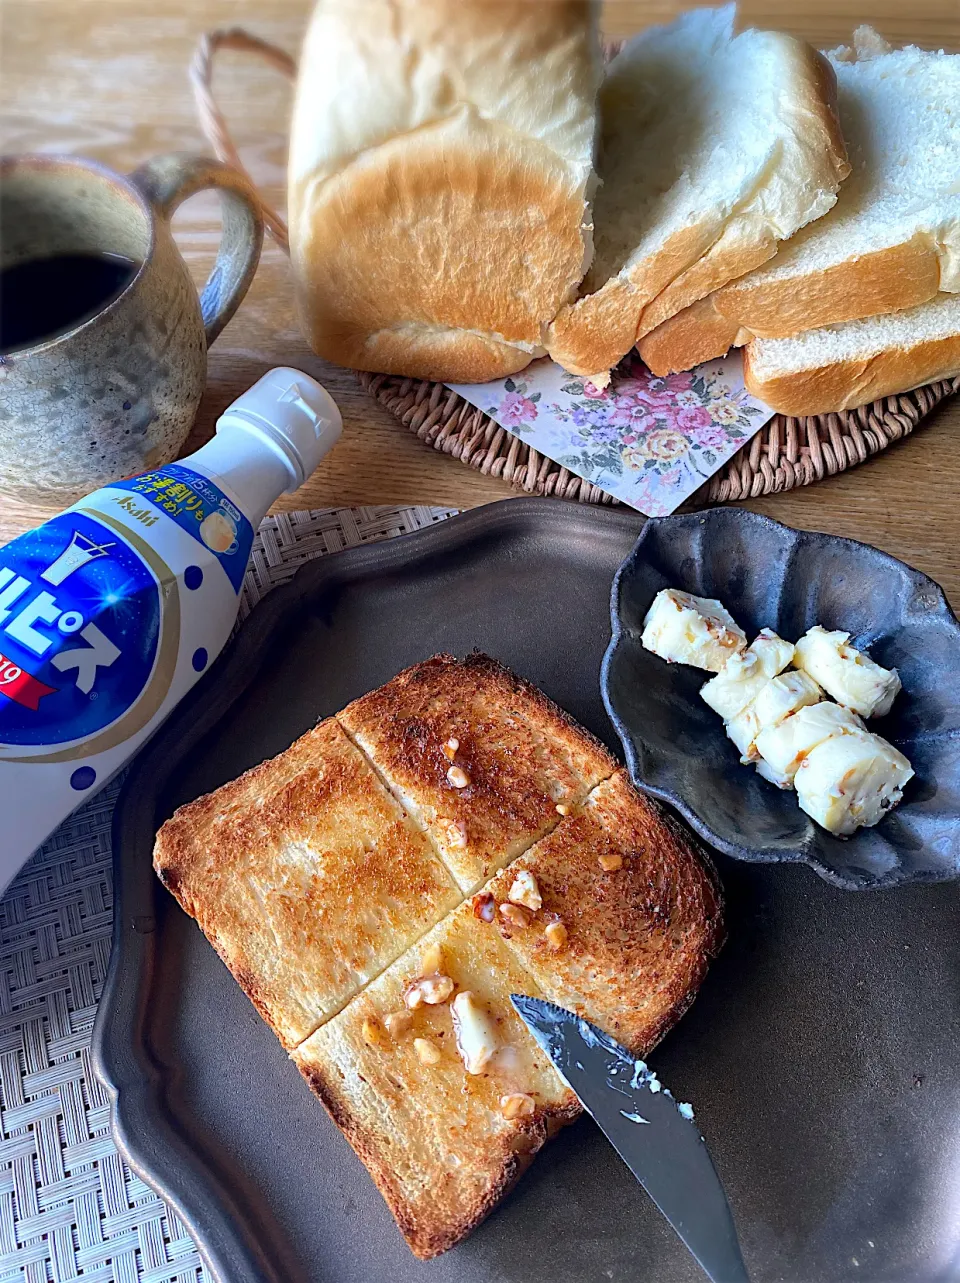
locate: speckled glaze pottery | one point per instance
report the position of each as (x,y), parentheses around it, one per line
(769,576)
(117,394)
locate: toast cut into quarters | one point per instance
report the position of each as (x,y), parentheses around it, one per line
(379,911)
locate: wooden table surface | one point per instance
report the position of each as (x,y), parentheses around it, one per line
(108,78)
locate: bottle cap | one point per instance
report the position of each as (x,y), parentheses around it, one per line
(292,414)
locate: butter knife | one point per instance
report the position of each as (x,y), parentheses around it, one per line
(653,1133)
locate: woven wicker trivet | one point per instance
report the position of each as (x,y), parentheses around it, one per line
(784,454)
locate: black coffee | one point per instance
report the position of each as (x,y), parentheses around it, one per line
(43,297)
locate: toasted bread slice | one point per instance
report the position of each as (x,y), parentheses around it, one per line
(434,1137)
(307,878)
(328,901)
(640,911)
(519,754)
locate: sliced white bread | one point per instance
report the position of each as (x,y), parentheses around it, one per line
(441,164)
(842,366)
(713,148)
(892,240)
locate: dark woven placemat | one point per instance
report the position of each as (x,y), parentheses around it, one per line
(784,454)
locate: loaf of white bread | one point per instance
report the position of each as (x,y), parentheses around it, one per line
(862,303)
(441,164)
(442,168)
(461,201)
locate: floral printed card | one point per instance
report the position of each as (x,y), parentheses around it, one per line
(649,441)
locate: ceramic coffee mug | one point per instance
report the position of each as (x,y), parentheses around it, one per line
(117,392)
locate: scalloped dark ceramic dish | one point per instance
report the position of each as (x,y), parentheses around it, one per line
(768,575)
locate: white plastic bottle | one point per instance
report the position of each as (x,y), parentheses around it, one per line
(111,611)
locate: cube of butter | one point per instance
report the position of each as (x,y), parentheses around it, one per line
(778,698)
(850,676)
(774,777)
(784,747)
(851,781)
(684,629)
(744,675)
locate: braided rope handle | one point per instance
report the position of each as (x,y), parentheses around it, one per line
(212,120)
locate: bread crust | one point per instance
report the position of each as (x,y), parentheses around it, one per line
(591,335)
(737,251)
(436,232)
(844,385)
(417,314)
(699,333)
(889,280)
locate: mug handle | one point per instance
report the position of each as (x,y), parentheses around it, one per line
(167,180)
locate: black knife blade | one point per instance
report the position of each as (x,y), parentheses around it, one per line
(653,1134)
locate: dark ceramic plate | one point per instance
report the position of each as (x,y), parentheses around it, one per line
(768,575)
(822,1054)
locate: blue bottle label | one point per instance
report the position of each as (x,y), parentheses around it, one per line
(80,623)
(198,507)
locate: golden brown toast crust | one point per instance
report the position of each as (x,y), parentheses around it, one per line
(429,1240)
(521,754)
